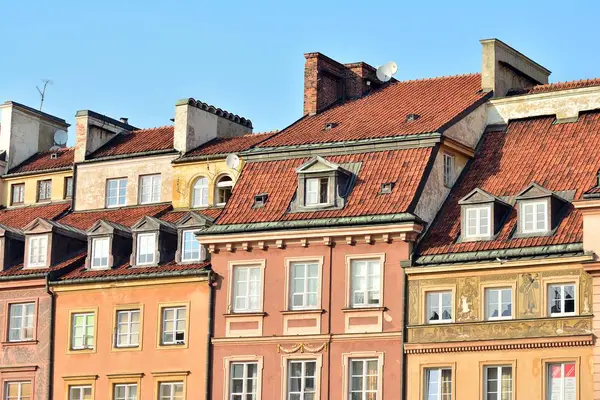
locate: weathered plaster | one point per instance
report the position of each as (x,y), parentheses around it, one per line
(469,129)
(30,181)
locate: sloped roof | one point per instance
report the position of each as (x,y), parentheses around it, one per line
(279,180)
(174,216)
(19,217)
(559,157)
(137,141)
(556,86)
(126,216)
(18,271)
(126,270)
(228,145)
(437,101)
(43,161)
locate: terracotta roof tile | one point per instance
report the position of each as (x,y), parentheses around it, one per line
(139,141)
(279,180)
(556,86)
(383,113)
(126,216)
(175,216)
(43,161)
(21,216)
(62,267)
(229,145)
(559,157)
(127,270)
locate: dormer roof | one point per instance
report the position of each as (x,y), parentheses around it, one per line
(194,219)
(42,225)
(319,164)
(104,226)
(148,223)
(534,191)
(480,196)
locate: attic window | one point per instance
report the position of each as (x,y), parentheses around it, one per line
(329,126)
(260,200)
(316,191)
(386,188)
(412,117)
(223,190)
(54,156)
(534,216)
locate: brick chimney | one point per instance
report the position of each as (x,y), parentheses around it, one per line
(327,81)
(196,123)
(504,69)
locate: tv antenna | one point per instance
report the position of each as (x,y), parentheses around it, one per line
(42,91)
(386,71)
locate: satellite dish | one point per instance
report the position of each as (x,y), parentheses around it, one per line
(386,71)
(232,161)
(55,148)
(60,138)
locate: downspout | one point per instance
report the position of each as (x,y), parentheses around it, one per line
(208,386)
(404,359)
(329,317)
(51,339)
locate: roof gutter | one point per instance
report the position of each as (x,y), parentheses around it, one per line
(121,278)
(131,155)
(36,172)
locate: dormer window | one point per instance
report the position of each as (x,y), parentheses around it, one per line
(260,200)
(534,216)
(100,253)
(223,190)
(146,245)
(539,210)
(478,222)
(38,250)
(482,215)
(191,249)
(316,191)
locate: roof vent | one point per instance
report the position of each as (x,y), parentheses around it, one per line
(329,126)
(412,117)
(386,188)
(260,200)
(124,120)
(54,155)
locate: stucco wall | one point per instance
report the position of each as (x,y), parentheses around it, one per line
(92,177)
(30,181)
(151,359)
(468,130)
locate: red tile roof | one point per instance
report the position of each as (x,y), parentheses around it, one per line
(127,270)
(175,216)
(140,141)
(62,267)
(125,216)
(279,180)
(556,86)
(559,157)
(19,217)
(43,161)
(383,113)
(229,145)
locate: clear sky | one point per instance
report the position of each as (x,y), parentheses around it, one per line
(137,58)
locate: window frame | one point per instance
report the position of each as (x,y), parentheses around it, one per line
(441,293)
(22,303)
(318,193)
(151,199)
(160,343)
(204,191)
(127,386)
(245,378)
(233,287)
(201,250)
(93,258)
(80,387)
(47,190)
(20,382)
(129,323)
(217,188)
(449,177)
(424,380)
(562,284)
(290,278)
(21,187)
(295,357)
(478,231)
(350,260)
(44,253)
(347,359)
(499,368)
(523,205)
(66,194)
(548,362)
(82,350)
(120,182)
(499,288)
(138,247)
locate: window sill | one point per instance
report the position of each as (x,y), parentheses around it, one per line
(247,314)
(359,309)
(20,343)
(442,322)
(304,311)
(172,346)
(81,351)
(127,348)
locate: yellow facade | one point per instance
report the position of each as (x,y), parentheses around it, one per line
(186,175)
(31,184)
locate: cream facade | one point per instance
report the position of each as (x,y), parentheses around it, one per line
(31,183)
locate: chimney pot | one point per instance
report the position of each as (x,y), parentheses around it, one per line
(124,120)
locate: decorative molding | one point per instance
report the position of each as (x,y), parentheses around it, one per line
(302,348)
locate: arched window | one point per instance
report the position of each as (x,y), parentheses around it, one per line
(223,190)
(200,193)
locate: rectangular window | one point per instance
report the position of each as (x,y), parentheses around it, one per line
(562,384)
(146,245)
(170,391)
(365,283)
(478,222)
(116,192)
(247,287)
(38,249)
(364,379)
(439,307)
(316,191)
(534,217)
(498,303)
(498,383)
(243,381)
(82,331)
(173,325)
(304,285)
(125,391)
(448,170)
(68,187)
(45,190)
(18,193)
(191,249)
(150,189)
(128,328)
(99,253)
(80,392)
(438,384)
(18,391)
(561,299)
(20,326)
(301,379)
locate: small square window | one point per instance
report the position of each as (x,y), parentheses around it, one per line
(316,191)
(173,325)
(448,170)
(21,322)
(44,190)
(386,188)
(439,307)
(478,224)
(38,251)
(498,303)
(18,194)
(171,391)
(116,192)
(68,187)
(561,299)
(18,390)
(150,189)
(146,247)
(100,253)
(260,200)
(83,392)
(534,217)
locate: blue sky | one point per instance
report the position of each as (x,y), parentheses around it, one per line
(137,58)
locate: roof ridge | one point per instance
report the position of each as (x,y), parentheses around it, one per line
(153,128)
(434,78)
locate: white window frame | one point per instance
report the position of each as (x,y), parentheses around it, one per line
(200,193)
(303,377)
(440,308)
(222,184)
(364,377)
(438,395)
(175,321)
(20,395)
(532,208)
(184,241)
(19,189)
(142,237)
(500,392)
(40,243)
(316,192)
(499,304)
(479,231)
(86,338)
(305,280)
(26,318)
(101,244)
(171,386)
(68,187)
(128,388)
(125,328)
(245,378)
(46,185)
(248,284)
(449,162)
(120,201)
(150,188)
(81,389)
(369,279)
(562,299)
(549,380)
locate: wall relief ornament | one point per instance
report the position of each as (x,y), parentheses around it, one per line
(302,348)
(413,302)
(529,294)
(468,299)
